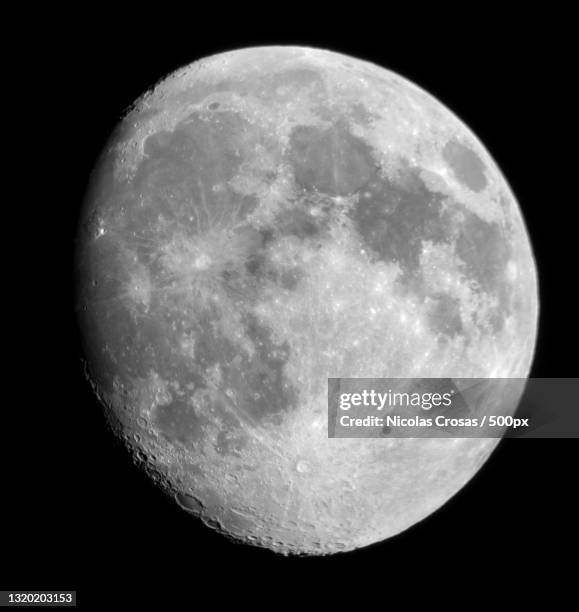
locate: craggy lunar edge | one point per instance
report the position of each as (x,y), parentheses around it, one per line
(265,219)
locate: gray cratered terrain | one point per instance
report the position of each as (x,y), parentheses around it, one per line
(265,219)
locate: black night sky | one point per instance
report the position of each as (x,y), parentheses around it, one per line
(76,513)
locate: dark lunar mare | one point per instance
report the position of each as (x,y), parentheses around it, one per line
(394,217)
(174,190)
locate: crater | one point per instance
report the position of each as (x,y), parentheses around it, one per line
(465,164)
(189,503)
(230,443)
(303,467)
(139,287)
(177,422)
(360,114)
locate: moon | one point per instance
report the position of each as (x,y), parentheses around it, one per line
(268,218)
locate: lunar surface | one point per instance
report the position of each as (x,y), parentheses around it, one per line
(268,218)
